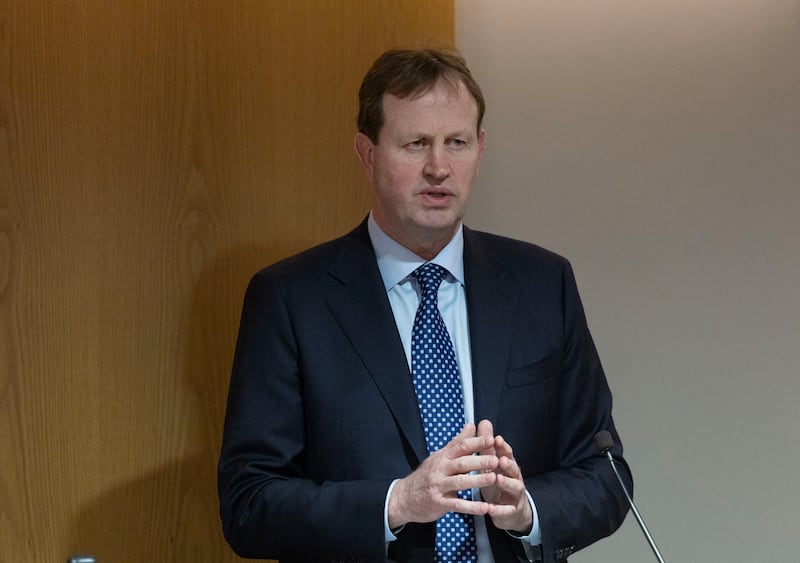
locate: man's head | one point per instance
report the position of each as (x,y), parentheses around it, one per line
(420,144)
(408,73)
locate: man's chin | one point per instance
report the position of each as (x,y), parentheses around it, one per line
(439,229)
(437,233)
(440,220)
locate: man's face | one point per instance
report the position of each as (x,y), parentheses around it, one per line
(423,165)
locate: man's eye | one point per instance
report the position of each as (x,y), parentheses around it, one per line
(457,143)
(418,144)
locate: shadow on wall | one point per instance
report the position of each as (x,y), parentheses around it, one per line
(172,514)
(161,516)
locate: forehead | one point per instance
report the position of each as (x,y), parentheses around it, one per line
(444,103)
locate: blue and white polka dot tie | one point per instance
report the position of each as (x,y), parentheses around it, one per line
(438,386)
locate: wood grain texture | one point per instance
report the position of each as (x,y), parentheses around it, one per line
(153,156)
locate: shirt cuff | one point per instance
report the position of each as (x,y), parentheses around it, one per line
(534,537)
(388,534)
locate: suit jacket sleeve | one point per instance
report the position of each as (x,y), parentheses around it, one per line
(270,503)
(579,499)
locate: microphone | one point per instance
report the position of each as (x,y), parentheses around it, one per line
(605,443)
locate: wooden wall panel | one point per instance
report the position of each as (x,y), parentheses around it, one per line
(153,155)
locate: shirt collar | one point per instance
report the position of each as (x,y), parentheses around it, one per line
(396,262)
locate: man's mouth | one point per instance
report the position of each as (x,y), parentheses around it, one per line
(437,193)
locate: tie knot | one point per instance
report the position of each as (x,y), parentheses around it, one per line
(430,277)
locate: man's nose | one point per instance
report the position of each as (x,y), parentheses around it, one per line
(436,166)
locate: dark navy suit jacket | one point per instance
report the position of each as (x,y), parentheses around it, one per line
(322,414)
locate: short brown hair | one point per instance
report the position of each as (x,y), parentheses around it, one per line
(404,73)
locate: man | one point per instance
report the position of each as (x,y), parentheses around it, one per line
(344,440)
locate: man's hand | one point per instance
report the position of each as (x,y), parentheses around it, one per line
(508,504)
(430,491)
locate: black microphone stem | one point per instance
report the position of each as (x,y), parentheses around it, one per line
(639,519)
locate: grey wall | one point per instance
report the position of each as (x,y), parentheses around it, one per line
(657,145)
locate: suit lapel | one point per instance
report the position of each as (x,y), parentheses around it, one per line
(362,309)
(491,299)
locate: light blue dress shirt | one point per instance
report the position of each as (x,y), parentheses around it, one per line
(396,263)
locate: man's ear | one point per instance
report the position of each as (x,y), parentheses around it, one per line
(481,149)
(482,141)
(365,149)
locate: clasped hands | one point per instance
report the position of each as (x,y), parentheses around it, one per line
(430,491)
